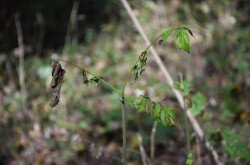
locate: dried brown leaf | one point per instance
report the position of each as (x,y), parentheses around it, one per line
(56,83)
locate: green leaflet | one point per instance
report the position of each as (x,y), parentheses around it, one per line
(234,146)
(182,36)
(190,158)
(183,39)
(166,34)
(198,103)
(162,114)
(183,86)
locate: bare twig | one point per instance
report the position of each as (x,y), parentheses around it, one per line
(169,80)
(144,156)
(21,61)
(41,35)
(152,142)
(71,34)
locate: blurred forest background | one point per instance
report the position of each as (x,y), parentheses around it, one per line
(85,128)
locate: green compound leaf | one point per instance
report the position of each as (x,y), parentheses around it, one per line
(190,158)
(162,114)
(142,103)
(183,39)
(198,103)
(166,34)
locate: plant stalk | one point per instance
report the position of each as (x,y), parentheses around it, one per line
(124,132)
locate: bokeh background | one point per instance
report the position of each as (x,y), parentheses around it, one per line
(85,128)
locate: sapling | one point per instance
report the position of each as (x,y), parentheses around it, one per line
(160,113)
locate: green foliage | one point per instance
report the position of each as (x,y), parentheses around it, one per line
(181,36)
(162,114)
(166,34)
(183,39)
(183,86)
(190,158)
(139,67)
(234,146)
(198,103)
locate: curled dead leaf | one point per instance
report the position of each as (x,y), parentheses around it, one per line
(56,83)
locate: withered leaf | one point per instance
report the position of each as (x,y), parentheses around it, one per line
(56,83)
(85,78)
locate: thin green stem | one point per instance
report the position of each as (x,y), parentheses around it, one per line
(187,133)
(124,133)
(101,79)
(153,42)
(186,120)
(123,101)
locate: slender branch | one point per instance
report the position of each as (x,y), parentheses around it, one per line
(142,150)
(21,61)
(71,38)
(186,120)
(187,134)
(41,35)
(101,79)
(194,122)
(152,142)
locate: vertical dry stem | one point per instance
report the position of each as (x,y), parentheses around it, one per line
(152,142)
(21,68)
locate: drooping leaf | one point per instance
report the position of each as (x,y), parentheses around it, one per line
(166,34)
(183,40)
(56,83)
(162,114)
(139,67)
(198,103)
(141,103)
